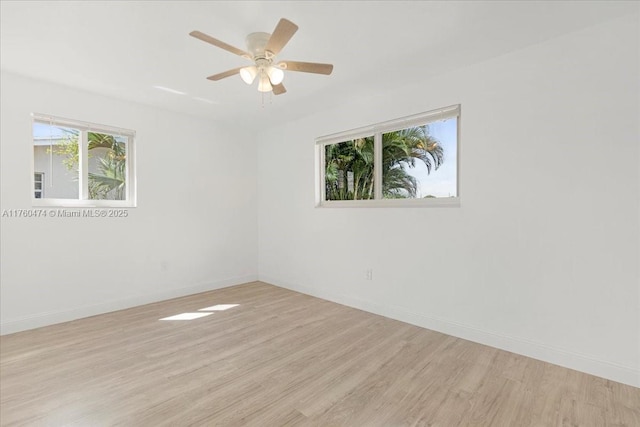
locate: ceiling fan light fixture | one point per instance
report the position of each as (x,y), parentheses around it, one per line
(249,74)
(276,75)
(264,85)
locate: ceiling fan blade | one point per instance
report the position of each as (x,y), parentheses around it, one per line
(206,38)
(281,35)
(306,67)
(278,89)
(224,74)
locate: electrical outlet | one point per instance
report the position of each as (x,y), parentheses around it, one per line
(369,274)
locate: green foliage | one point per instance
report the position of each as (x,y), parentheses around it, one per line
(400,151)
(67,147)
(350,161)
(110,181)
(353,160)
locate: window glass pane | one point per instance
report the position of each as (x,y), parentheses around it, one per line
(420,161)
(349,170)
(107,166)
(55,153)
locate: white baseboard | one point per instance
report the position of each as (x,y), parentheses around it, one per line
(50,318)
(558,356)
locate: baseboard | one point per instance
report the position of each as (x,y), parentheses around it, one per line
(557,356)
(53,317)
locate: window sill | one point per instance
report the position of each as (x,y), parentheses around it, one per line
(68,203)
(450,202)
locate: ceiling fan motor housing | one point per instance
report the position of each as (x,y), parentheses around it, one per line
(256,46)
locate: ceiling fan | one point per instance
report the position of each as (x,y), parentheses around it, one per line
(262,49)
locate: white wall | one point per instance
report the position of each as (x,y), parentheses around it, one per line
(194,228)
(542,256)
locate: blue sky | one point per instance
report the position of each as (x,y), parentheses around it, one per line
(441,182)
(45,131)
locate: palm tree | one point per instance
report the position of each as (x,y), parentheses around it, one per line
(349,170)
(110,182)
(349,173)
(400,151)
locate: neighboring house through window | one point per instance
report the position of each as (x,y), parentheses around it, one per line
(85,164)
(38,185)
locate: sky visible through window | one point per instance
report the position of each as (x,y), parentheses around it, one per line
(441,182)
(42,130)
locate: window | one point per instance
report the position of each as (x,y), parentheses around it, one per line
(85,164)
(38,185)
(412,161)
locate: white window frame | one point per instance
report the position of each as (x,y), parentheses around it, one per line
(83,173)
(377,130)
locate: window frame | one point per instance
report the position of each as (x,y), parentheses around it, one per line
(83,172)
(377,130)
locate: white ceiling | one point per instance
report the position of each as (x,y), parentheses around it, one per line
(124,49)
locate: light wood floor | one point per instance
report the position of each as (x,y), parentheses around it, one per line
(283,358)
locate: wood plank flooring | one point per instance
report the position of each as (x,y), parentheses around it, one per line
(281,358)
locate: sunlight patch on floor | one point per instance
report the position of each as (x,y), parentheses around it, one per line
(186,316)
(201,313)
(219,307)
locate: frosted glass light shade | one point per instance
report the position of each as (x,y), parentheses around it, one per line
(248,74)
(276,75)
(264,85)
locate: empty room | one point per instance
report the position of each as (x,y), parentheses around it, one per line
(320,213)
